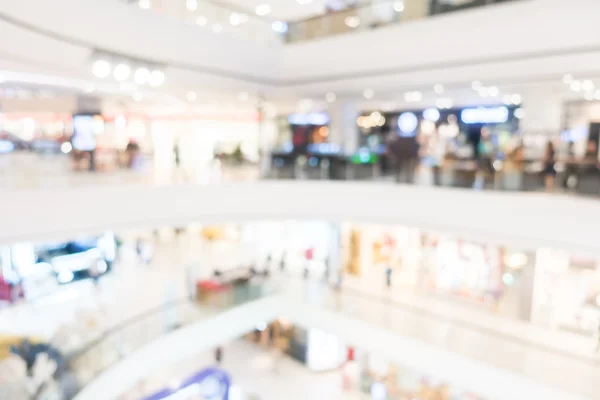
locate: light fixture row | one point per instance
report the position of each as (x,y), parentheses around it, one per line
(124,70)
(587,86)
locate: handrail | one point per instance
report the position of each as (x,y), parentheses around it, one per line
(79,367)
(128,322)
(374,14)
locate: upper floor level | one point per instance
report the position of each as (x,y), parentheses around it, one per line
(489,43)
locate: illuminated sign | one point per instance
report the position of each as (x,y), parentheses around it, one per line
(483,115)
(407,123)
(309,119)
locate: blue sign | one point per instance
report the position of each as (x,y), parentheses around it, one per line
(484,115)
(210,384)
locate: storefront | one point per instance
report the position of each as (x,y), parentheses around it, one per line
(566,293)
(368,250)
(295,245)
(492,277)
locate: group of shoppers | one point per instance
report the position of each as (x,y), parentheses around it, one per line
(406,153)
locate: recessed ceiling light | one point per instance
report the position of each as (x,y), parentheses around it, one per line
(243,96)
(587,85)
(191,96)
(476,85)
(493,91)
(236,19)
(157,77)
(439,88)
(567,78)
(368,93)
(352,21)
(413,97)
(101,68)
(122,72)
(144,4)
(201,20)
(330,97)
(192,5)
(506,99)
(575,86)
(516,99)
(141,75)
(263,9)
(399,6)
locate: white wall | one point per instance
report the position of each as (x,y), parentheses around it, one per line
(519,220)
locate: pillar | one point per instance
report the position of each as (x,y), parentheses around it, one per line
(343,130)
(543,113)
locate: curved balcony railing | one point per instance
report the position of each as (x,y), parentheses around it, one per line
(76,368)
(363,15)
(215,17)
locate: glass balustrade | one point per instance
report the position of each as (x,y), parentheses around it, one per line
(215,17)
(363,15)
(76,368)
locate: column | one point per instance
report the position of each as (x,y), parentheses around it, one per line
(543,112)
(343,130)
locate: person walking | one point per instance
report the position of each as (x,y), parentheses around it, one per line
(404,151)
(219,355)
(549,167)
(388,277)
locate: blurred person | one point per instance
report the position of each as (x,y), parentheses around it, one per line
(404,150)
(326,272)
(282,262)
(176,154)
(570,177)
(437,154)
(484,158)
(388,277)
(144,251)
(549,166)
(95,277)
(219,355)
